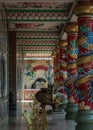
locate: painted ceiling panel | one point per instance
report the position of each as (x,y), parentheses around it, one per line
(28,55)
(37,35)
(37,16)
(36,42)
(37,48)
(34,5)
(38,25)
(36,54)
(47,26)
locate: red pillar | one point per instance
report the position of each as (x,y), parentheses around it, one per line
(63,61)
(84,82)
(72,51)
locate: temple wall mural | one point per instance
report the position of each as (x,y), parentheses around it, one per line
(35,74)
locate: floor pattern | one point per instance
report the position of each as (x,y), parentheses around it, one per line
(19,124)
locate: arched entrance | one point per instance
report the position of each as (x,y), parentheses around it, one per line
(39,82)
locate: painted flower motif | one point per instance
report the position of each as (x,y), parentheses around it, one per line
(71,52)
(80,70)
(76,50)
(84,28)
(87,107)
(89,37)
(85,45)
(73,43)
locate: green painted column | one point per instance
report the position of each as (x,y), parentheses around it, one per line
(84,82)
(84,120)
(72,107)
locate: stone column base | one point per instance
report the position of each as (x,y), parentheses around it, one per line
(58,115)
(84,120)
(71,111)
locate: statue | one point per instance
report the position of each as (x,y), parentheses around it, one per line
(46,97)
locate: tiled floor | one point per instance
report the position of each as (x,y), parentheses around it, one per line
(54,122)
(19,124)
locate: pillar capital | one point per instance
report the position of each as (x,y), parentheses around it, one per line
(71,27)
(83,8)
(57,50)
(62,43)
(53,55)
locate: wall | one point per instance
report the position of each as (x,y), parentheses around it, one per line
(3,65)
(36,69)
(31,70)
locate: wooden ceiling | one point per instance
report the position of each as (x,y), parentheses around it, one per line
(38,25)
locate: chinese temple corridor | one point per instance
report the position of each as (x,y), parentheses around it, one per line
(46,64)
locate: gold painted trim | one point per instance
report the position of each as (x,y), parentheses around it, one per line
(63,43)
(71,27)
(88,17)
(83,8)
(84,79)
(71,66)
(63,64)
(69,81)
(84,59)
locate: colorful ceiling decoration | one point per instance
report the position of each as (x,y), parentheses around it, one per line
(48,26)
(37,48)
(36,42)
(37,35)
(34,5)
(42,16)
(34,54)
(38,25)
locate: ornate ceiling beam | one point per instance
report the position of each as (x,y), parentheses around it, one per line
(38,31)
(38,58)
(37,45)
(37,38)
(24,50)
(39,20)
(43,15)
(37,35)
(36,42)
(37,50)
(40,28)
(36,10)
(13,1)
